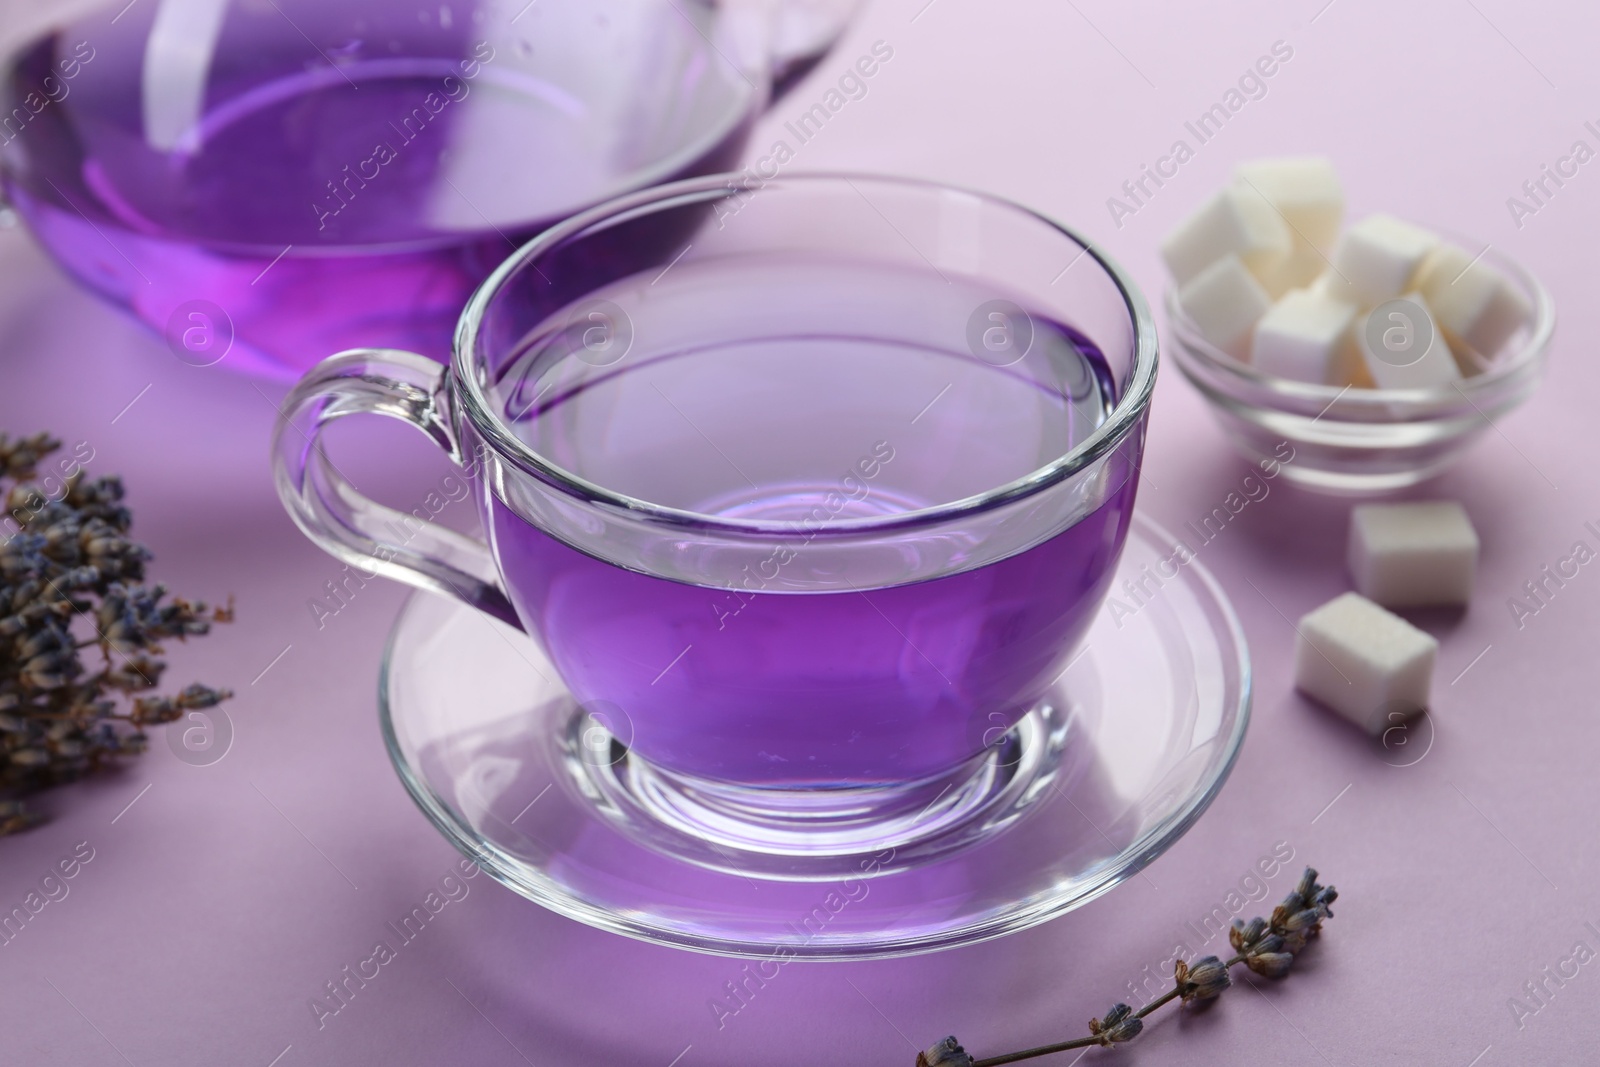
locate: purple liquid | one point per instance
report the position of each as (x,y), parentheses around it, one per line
(327,207)
(766,683)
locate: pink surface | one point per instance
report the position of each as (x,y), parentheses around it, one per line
(222,900)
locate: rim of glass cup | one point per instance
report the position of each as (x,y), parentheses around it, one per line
(1125,415)
(1379,405)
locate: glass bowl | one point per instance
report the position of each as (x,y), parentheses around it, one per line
(1365,442)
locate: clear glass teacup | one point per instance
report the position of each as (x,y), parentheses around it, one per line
(809,488)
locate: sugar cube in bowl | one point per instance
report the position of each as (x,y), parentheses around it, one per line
(1377,259)
(1225,301)
(1235,222)
(1477,307)
(1402,346)
(1306,193)
(1305,336)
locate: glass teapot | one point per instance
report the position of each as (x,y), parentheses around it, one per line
(270,181)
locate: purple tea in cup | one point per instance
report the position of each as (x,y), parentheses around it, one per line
(784,673)
(810,488)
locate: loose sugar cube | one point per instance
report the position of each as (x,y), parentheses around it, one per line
(1237,221)
(1378,258)
(1225,301)
(1391,337)
(1364,662)
(1413,555)
(1305,190)
(1302,337)
(1473,302)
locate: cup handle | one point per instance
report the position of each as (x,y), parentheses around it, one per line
(348,525)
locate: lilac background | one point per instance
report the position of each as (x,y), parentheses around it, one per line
(225,896)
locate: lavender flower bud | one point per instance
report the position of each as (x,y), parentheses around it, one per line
(15,818)
(1269,964)
(1202,980)
(45,641)
(1268,954)
(1302,896)
(1324,899)
(155,709)
(1244,934)
(1118,1025)
(202,696)
(47,671)
(81,578)
(947,1053)
(1297,927)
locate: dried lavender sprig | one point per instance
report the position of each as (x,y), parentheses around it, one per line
(70,580)
(1266,946)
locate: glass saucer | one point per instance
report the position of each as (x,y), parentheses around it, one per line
(1114,764)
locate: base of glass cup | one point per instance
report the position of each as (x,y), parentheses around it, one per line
(819,834)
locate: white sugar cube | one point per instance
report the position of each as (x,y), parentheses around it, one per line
(1303,336)
(1300,269)
(1350,362)
(1403,347)
(1225,301)
(1306,192)
(1378,258)
(1468,359)
(1236,221)
(1331,283)
(1350,365)
(1413,555)
(1367,664)
(1472,301)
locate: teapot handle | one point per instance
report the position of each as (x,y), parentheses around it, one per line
(802,33)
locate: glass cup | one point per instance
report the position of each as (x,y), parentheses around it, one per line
(266,181)
(808,487)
